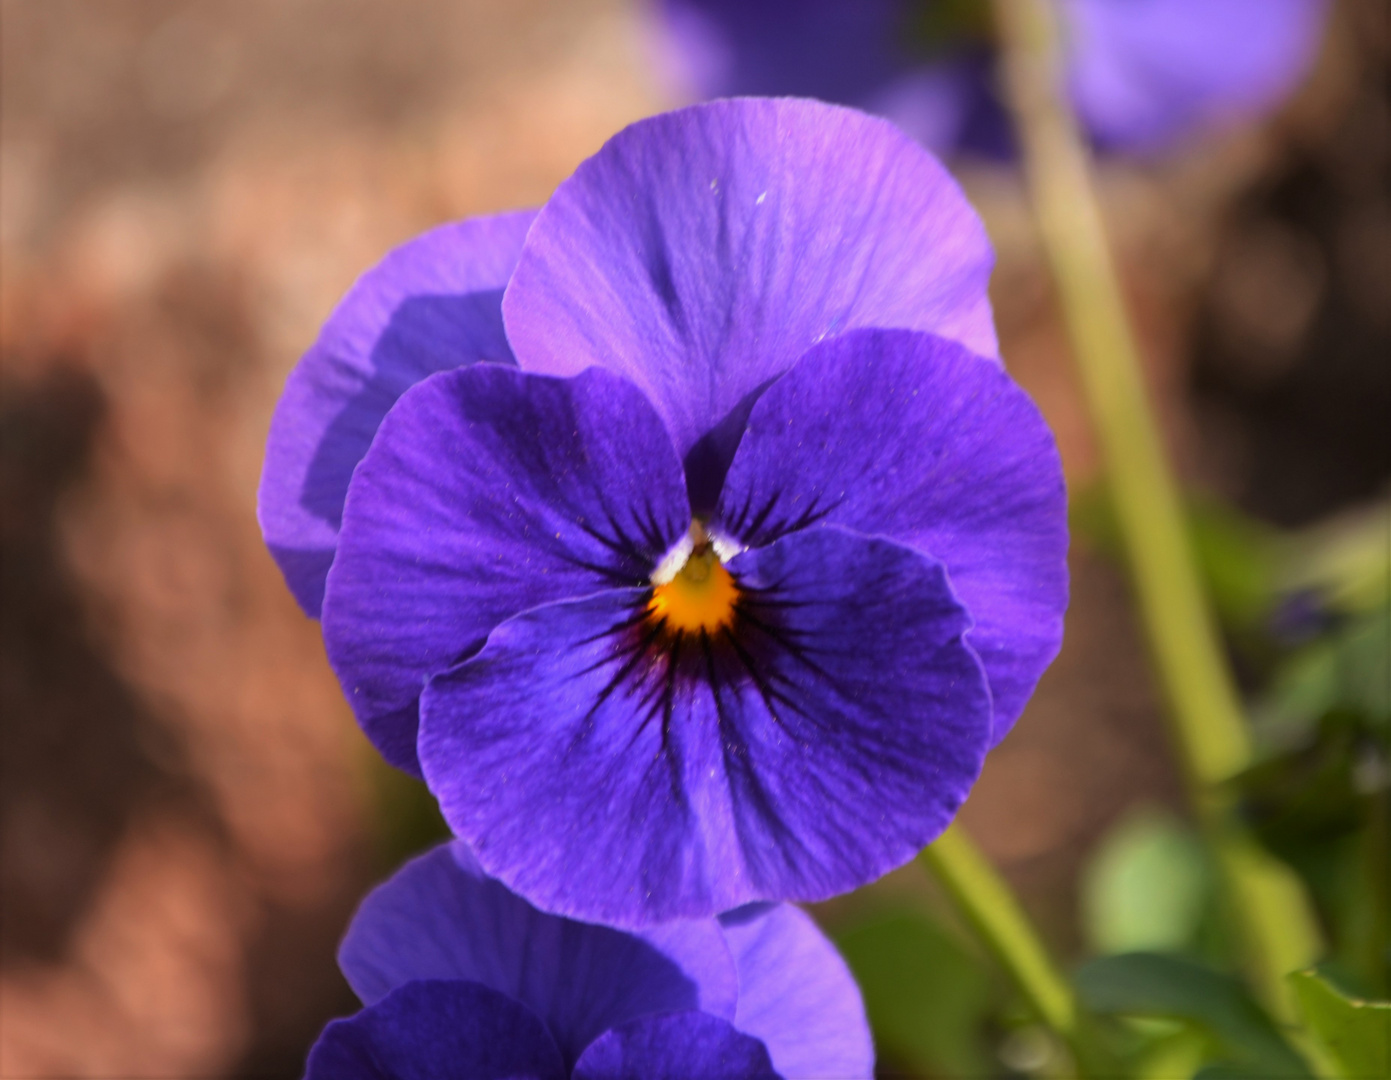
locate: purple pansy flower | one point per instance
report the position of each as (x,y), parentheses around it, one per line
(725,549)
(463,979)
(1142,73)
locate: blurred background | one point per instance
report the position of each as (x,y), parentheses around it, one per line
(190,813)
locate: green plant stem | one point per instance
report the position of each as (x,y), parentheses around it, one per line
(1271,915)
(987,903)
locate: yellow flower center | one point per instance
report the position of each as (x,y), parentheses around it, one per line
(699,596)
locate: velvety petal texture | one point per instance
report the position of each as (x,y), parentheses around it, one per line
(486,492)
(433,304)
(699,253)
(915,438)
(438,1031)
(440,917)
(608,772)
(1146,72)
(677,1046)
(812,1022)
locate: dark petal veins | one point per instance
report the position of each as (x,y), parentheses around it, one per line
(701,252)
(437,1031)
(912,437)
(677,1046)
(608,772)
(796,995)
(486,492)
(439,917)
(433,304)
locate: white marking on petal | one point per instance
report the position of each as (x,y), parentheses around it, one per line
(673,560)
(725,547)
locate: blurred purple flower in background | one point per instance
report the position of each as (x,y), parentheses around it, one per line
(708,588)
(1143,74)
(462,978)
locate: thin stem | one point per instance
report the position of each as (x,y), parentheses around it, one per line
(1208,730)
(987,903)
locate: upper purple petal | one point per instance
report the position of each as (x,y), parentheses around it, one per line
(700,252)
(607,770)
(677,1046)
(797,996)
(437,1031)
(486,492)
(432,304)
(913,437)
(440,917)
(1144,72)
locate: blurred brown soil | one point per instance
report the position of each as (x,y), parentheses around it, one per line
(185,190)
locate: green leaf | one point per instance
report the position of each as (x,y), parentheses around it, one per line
(1236,556)
(1146,886)
(1348,670)
(926,995)
(1354,1032)
(1149,984)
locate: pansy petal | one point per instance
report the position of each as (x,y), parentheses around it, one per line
(796,995)
(438,1031)
(676,1046)
(440,917)
(607,770)
(700,252)
(1145,72)
(486,492)
(913,437)
(432,304)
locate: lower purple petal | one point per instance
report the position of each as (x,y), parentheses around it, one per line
(609,771)
(437,1031)
(677,1046)
(440,917)
(797,996)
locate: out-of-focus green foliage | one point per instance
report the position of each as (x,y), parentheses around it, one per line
(1146,888)
(927,997)
(1238,1033)
(1343,560)
(1355,1034)
(1347,669)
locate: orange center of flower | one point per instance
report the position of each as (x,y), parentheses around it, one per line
(701,595)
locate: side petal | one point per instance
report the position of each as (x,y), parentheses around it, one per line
(441,917)
(676,1046)
(486,492)
(1147,72)
(609,769)
(700,252)
(432,304)
(915,438)
(797,996)
(437,1031)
